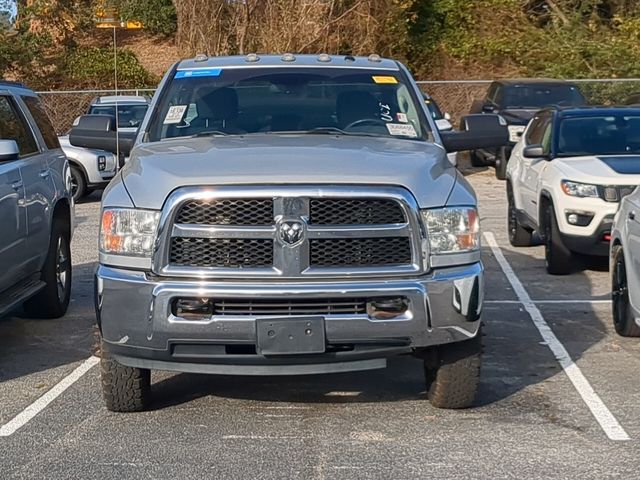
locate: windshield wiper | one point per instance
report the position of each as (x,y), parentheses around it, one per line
(210,133)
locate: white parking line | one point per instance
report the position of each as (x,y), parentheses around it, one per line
(601,413)
(41,403)
(550,302)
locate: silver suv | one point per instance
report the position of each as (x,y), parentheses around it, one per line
(288,215)
(36,208)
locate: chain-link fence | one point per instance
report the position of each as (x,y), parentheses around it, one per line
(65,106)
(453,96)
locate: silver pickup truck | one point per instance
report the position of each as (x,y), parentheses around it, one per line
(285,215)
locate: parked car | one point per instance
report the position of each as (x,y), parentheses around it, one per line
(566,177)
(36,208)
(130,113)
(90,169)
(517,101)
(625,258)
(288,215)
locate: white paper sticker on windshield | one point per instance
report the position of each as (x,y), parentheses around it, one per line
(402,129)
(175,114)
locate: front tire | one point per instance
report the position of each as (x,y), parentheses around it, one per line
(475,159)
(78,184)
(453,374)
(53,300)
(559,259)
(124,389)
(519,236)
(623,316)
(501,164)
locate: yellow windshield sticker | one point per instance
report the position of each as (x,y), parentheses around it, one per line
(384,79)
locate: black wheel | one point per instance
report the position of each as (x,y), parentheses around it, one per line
(623,317)
(124,389)
(519,236)
(558,257)
(453,374)
(502,159)
(78,184)
(52,301)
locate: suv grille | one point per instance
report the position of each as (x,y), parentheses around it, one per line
(339,211)
(255,211)
(360,252)
(219,252)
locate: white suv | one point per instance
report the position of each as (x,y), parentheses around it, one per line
(566,177)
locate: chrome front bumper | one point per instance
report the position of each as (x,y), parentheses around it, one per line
(138,328)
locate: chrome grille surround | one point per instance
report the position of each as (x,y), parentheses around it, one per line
(290,261)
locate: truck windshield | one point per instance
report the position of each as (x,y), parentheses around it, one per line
(243,101)
(599,135)
(538,96)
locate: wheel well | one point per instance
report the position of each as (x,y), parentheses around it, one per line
(62,212)
(79,166)
(545,200)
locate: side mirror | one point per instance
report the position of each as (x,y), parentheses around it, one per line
(476,132)
(9,151)
(488,108)
(533,151)
(99,132)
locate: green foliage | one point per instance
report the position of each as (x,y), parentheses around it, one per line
(95,67)
(157,16)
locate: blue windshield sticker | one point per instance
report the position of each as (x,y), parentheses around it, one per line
(203,72)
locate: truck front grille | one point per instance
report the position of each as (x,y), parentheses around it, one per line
(289,232)
(360,252)
(320,306)
(228,211)
(221,252)
(352,211)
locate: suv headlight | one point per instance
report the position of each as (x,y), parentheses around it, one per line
(575,189)
(127,231)
(452,230)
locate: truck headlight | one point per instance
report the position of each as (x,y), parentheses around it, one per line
(452,230)
(127,231)
(575,189)
(515,132)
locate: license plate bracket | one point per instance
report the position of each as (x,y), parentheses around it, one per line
(290,335)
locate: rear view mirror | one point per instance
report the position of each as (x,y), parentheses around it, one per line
(476,132)
(9,151)
(533,151)
(99,132)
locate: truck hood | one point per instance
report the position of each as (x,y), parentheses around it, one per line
(601,169)
(156,169)
(518,116)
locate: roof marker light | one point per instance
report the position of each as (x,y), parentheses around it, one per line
(374,57)
(349,58)
(288,57)
(252,58)
(323,57)
(201,57)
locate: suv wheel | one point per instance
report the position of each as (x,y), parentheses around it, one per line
(78,184)
(52,301)
(475,159)
(519,236)
(623,317)
(125,389)
(558,257)
(453,373)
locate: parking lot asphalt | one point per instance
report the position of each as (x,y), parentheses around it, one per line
(539,413)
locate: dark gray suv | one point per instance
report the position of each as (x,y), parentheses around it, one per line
(36,209)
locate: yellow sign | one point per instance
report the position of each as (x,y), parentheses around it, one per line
(385,79)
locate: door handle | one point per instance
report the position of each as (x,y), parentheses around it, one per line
(45,173)
(632,215)
(17,185)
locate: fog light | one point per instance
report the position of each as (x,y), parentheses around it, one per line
(192,308)
(579,219)
(387,308)
(102,163)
